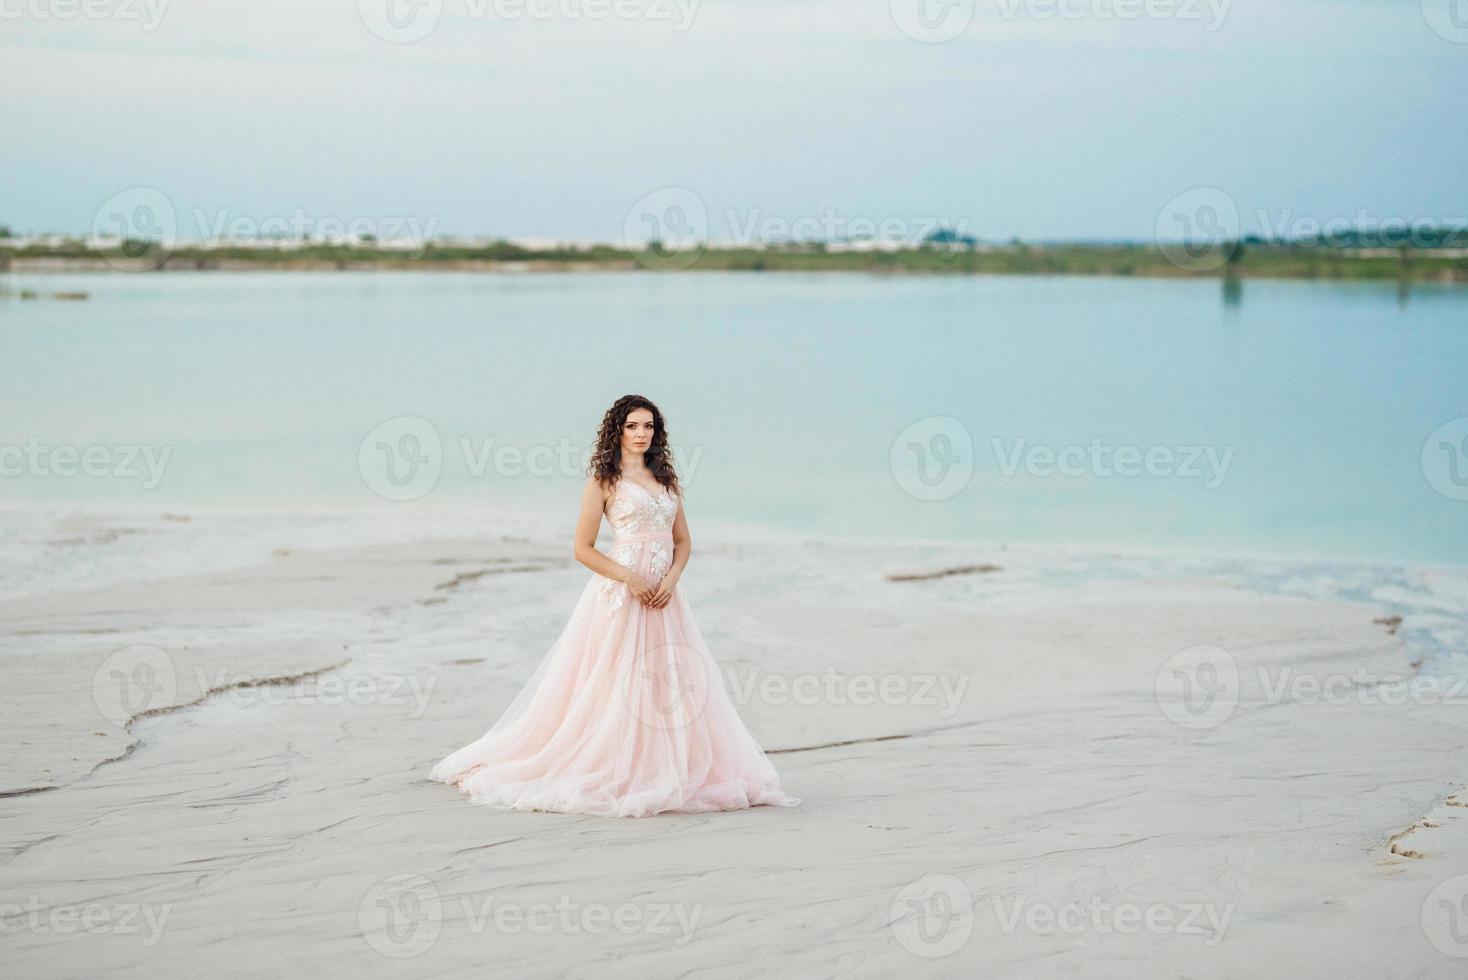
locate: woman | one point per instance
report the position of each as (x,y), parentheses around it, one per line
(626,716)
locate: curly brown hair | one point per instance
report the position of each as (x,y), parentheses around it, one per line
(606,460)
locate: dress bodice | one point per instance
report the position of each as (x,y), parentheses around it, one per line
(643,526)
(633,511)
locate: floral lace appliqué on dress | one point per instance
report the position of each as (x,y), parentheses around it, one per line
(643,523)
(614,593)
(660,559)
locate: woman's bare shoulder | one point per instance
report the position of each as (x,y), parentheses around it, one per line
(595,490)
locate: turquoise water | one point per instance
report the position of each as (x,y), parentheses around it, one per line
(1291,419)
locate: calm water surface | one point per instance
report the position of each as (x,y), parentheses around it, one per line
(1293,418)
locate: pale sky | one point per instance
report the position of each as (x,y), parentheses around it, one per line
(768,111)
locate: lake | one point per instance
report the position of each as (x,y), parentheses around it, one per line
(1290,418)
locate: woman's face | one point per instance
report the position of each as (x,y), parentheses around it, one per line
(637,432)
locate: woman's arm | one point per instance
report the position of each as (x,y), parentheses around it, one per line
(593,502)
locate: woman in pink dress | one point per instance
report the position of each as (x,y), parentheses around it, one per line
(627,715)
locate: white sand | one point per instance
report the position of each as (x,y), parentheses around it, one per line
(1022,805)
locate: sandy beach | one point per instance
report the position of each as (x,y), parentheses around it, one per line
(1041,763)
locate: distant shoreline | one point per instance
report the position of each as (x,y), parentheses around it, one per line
(1249,261)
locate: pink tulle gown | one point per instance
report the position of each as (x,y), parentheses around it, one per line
(627,715)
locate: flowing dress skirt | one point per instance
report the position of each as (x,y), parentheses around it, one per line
(626,716)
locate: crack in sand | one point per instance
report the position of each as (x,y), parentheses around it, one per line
(896,736)
(168,709)
(481,847)
(20,849)
(463,577)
